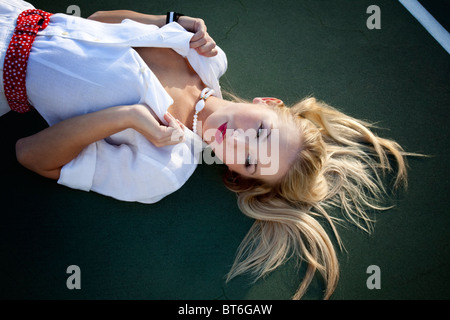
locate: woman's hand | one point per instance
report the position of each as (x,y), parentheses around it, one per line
(47,151)
(201,41)
(144,121)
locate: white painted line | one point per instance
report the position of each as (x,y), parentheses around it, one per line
(428,22)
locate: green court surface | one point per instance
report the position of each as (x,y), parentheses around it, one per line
(183,246)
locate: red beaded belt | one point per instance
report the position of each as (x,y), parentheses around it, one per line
(29,23)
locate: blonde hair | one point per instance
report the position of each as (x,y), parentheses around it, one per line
(341,164)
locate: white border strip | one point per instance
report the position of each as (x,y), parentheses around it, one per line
(428,22)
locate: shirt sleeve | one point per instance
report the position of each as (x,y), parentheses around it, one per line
(119,171)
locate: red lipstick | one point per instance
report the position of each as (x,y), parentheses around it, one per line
(220,133)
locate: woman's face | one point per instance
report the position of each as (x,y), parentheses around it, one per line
(253,140)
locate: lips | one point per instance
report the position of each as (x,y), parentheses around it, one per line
(220,133)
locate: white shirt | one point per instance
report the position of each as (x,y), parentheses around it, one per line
(77,66)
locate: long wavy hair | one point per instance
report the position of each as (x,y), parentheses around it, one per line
(342,165)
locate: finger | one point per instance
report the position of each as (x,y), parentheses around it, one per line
(169,141)
(200,34)
(174,133)
(173,136)
(208,50)
(199,29)
(172,122)
(181,124)
(177,136)
(168,136)
(198,43)
(210,53)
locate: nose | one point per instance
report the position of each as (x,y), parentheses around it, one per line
(235,137)
(242,143)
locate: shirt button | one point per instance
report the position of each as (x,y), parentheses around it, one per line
(65,33)
(142,70)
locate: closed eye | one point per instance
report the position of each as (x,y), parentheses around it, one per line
(263,130)
(249,163)
(260,131)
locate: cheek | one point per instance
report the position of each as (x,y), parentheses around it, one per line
(237,168)
(223,152)
(233,156)
(234,168)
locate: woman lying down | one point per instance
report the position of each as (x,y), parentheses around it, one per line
(131,99)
